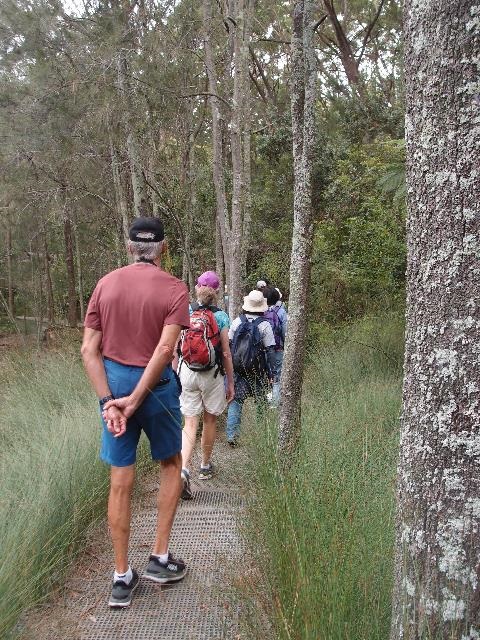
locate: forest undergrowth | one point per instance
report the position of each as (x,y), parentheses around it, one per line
(53,485)
(321,533)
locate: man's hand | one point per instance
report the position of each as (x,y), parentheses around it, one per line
(115,419)
(230,392)
(125,406)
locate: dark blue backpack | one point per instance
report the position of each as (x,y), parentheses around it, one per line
(274,319)
(247,347)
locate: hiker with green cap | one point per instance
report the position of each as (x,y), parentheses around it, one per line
(133,321)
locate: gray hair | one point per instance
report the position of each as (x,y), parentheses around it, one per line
(146,250)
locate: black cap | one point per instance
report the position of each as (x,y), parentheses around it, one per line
(146,230)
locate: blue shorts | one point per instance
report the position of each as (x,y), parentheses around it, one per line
(159,416)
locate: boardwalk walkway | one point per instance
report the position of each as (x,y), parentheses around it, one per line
(201,607)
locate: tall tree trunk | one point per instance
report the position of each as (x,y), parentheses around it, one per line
(78,257)
(70,264)
(217,146)
(11,302)
(303,130)
(48,280)
(120,197)
(187,272)
(38,285)
(238,126)
(437,565)
(139,187)
(219,264)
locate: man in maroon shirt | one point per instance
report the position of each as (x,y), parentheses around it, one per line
(134,313)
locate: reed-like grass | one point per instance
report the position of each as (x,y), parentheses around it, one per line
(321,533)
(52,484)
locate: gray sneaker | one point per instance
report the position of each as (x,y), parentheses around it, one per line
(206,473)
(172,571)
(122,592)
(186,489)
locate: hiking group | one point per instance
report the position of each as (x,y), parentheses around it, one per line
(152,356)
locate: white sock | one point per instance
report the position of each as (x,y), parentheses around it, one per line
(206,466)
(124,577)
(163,557)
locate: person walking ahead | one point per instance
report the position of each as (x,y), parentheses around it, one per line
(137,312)
(252,345)
(205,361)
(277,316)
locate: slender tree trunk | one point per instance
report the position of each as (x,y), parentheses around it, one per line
(437,566)
(139,187)
(120,197)
(236,128)
(217,145)
(70,264)
(247,184)
(219,263)
(239,134)
(303,129)
(78,257)
(11,302)
(347,56)
(191,212)
(48,280)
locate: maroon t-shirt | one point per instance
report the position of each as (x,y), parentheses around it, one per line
(130,306)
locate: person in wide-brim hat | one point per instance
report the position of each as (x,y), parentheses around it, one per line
(252,379)
(255,302)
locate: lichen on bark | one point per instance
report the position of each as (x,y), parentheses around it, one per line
(436,592)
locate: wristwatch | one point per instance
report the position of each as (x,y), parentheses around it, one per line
(105,399)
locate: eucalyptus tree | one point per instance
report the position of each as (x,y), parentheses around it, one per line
(436,591)
(303,84)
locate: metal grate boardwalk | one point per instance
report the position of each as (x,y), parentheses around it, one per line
(202,606)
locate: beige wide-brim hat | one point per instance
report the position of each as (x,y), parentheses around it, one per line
(255,302)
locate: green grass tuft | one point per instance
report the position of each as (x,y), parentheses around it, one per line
(322,533)
(52,482)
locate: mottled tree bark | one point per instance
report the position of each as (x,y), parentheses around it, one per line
(436,590)
(303,84)
(239,134)
(187,271)
(217,146)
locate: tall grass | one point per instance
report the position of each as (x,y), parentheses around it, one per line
(52,484)
(321,533)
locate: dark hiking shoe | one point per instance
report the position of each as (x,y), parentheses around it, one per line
(232,442)
(172,571)
(122,592)
(186,490)
(206,473)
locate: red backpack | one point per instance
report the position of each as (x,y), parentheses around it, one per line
(199,345)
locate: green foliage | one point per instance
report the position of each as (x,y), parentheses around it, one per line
(321,532)
(359,249)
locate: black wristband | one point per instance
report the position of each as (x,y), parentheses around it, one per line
(105,399)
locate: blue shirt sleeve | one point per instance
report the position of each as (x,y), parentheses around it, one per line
(222,319)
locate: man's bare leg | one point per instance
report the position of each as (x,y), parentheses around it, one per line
(121,485)
(209,434)
(189,433)
(168,495)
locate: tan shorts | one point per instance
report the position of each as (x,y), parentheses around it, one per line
(201,390)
